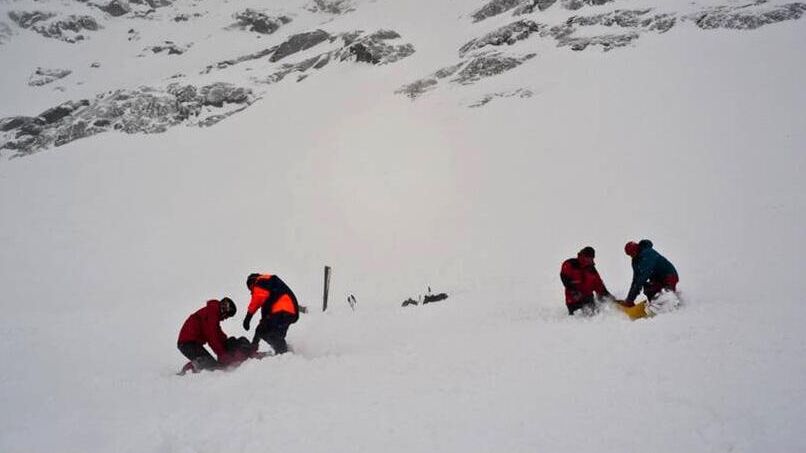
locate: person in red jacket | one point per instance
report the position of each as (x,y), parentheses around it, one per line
(581,281)
(203,327)
(278,310)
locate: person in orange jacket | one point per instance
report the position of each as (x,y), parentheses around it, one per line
(204,327)
(278,310)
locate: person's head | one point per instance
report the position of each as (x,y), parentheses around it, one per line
(631,248)
(228,308)
(586,255)
(250,281)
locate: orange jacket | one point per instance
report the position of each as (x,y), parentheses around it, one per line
(271,295)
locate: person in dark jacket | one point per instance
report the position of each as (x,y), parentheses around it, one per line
(651,271)
(204,327)
(581,281)
(278,310)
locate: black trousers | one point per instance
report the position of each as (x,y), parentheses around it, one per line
(581,304)
(272,330)
(198,355)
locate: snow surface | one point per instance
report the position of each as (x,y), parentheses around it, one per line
(693,139)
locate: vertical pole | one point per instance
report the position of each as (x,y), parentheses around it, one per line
(327,288)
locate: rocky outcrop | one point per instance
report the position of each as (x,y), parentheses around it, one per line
(748,17)
(467,72)
(299,42)
(488,65)
(494,8)
(145,110)
(68,29)
(577,4)
(508,34)
(330,6)
(260,22)
(170,47)
(116,8)
(373,49)
(43,76)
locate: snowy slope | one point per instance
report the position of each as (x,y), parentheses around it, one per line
(692,137)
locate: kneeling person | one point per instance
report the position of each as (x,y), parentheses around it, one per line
(203,327)
(581,281)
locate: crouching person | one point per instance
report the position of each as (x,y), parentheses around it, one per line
(278,310)
(203,327)
(581,280)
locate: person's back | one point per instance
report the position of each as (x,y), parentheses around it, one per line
(651,270)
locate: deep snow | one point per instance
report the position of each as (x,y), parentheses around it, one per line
(693,139)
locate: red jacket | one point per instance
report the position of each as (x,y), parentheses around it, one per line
(583,280)
(204,326)
(273,296)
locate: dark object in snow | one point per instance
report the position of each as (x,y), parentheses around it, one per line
(409,301)
(429,298)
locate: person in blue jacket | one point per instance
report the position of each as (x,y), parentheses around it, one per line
(651,271)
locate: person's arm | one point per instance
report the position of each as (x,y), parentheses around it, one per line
(600,289)
(212,331)
(642,269)
(568,281)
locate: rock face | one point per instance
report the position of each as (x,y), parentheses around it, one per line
(299,42)
(145,110)
(373,49)
(508,34)
(66,29)
(494,8)
(44,76)
(330,6)
(748,17)
(479,67)
(116,8)
(170,47)
(259,22)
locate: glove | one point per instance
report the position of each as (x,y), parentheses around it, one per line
(246,321)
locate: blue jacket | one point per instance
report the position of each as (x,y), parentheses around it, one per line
(648,265)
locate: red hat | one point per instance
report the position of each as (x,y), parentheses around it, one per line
(631,248)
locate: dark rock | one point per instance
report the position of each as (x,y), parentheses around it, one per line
(430,298)
(606,42)
(743,18)
(170,47)
(374,49)
(44,76)
(17,122)
(116,8)
(494,8)
(145,110)
(55,114)
(508,34)
(531,5)
(330,6)
(489,65)
(67,29)
(220,93)
(259,22)
(577,4)
(299,42)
